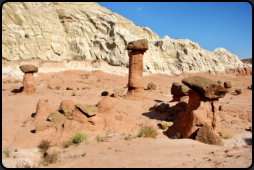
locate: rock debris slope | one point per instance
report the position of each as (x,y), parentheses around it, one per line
(63,31)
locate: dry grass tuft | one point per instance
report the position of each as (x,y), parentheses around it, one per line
(148,132)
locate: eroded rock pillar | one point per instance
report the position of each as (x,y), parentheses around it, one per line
(135,85)
(28,80)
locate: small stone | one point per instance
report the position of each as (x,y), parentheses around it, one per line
(88,110)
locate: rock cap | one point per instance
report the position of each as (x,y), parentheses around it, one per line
(205,87)
(138,45)
(28,68)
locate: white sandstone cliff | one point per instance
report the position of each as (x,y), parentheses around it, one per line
(63,31)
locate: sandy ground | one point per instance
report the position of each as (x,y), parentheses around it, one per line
(17,111)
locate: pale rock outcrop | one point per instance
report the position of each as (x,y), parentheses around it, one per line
(65,31)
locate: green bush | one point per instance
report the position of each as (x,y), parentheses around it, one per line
(229,136)
(148,132)
(79,137)
(48,86)
(6,152)
(99,138)
(43,146)
(164,126)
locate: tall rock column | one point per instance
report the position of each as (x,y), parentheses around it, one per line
(135,85)
(28,80)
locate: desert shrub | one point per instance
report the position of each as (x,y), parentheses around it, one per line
(6,152)
(164,126)
(50,159)
(79,137)
(129,138)
(48,86)
(228,136)
(77,88)
(99,138)
(83,154)
(58,87)
(67,143)
(15,150)
(148,132)
(44,145)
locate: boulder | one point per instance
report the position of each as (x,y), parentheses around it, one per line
(53,151)
(206,135)
(162,107)
(104,93)
(151,86)
(28,68)
(138,45)
(41,125)
(79,116)
(66,107)
(238,91)
(227,84)
(205,87)
(43,110)
(57,118)
(105,105)
(88,110)
(179,89)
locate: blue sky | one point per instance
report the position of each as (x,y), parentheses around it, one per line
(210,24)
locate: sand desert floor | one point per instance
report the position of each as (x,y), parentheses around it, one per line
(17,135)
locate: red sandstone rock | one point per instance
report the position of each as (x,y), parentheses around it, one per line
(43,110)
(28,83)
(199,111)
(135,86)
(66,107)
(105,105)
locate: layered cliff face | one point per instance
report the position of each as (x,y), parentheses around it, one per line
(62,31)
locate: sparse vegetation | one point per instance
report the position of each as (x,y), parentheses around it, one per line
(79,137)
(48,86)
(6,152)
(164,126)
(44,145)
(77,88)
(148,132)
(58,87)
(228,136)
(99,138)
(129,138)
(15,150)
(49,159)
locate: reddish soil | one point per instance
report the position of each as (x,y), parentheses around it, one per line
(236,119)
